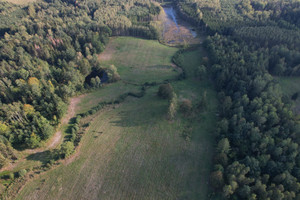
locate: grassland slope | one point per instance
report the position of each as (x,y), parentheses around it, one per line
(131,150)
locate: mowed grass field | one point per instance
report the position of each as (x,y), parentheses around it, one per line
(131,151)
(139,61)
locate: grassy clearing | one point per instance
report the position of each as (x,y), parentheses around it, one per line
(108,92)
(131,151)
(291,86)
(139,61)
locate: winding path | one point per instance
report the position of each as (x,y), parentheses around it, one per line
(54,141)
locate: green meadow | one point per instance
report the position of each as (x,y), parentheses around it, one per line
(131,150)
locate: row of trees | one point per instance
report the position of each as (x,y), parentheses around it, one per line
(257,154)
(257,151)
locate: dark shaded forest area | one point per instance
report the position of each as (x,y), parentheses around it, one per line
(47,50)
(257,148)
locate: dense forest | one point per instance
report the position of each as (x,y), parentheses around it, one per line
(257,149)
(48,53)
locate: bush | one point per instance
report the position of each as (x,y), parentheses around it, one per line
(73,137)
(66,149)
(202,105)
(2,160)
(11,176)
(200,72)
(185,106)
(22,173)
(165,91)
(113,74)
(216,179)
(172,107)
(73,131)
(77,119)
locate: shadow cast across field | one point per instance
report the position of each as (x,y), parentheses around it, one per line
(43,156)
(141,111)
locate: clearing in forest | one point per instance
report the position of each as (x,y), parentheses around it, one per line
(290,86)
(131,151)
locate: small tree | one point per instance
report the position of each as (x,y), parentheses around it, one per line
(223,146)
(11,176)
(185,106)
(66,149)
(113,74)
(33,141)
(2,160)
(200,72)
(95,82)
(22,173)
(203,102)
(216,179)
(172,107)
(165,91)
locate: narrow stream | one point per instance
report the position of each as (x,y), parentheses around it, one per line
(171,15)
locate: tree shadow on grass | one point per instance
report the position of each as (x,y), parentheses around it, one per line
(43,157)
(141,112)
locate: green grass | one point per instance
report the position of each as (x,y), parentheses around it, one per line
(141,61)
(289,85)
(108,92)
(131,151)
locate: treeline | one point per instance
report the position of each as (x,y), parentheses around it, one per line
(257,149)
(257,155)
(272,26)
(48,53)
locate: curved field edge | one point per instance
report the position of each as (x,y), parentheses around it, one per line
(131,151)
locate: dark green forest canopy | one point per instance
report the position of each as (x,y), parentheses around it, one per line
(47,49)
(257,148)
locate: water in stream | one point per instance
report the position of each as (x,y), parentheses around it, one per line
(176,31)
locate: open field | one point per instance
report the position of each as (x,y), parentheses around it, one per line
(131,151)
(139,61)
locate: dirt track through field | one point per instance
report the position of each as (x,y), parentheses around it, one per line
(56,138)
